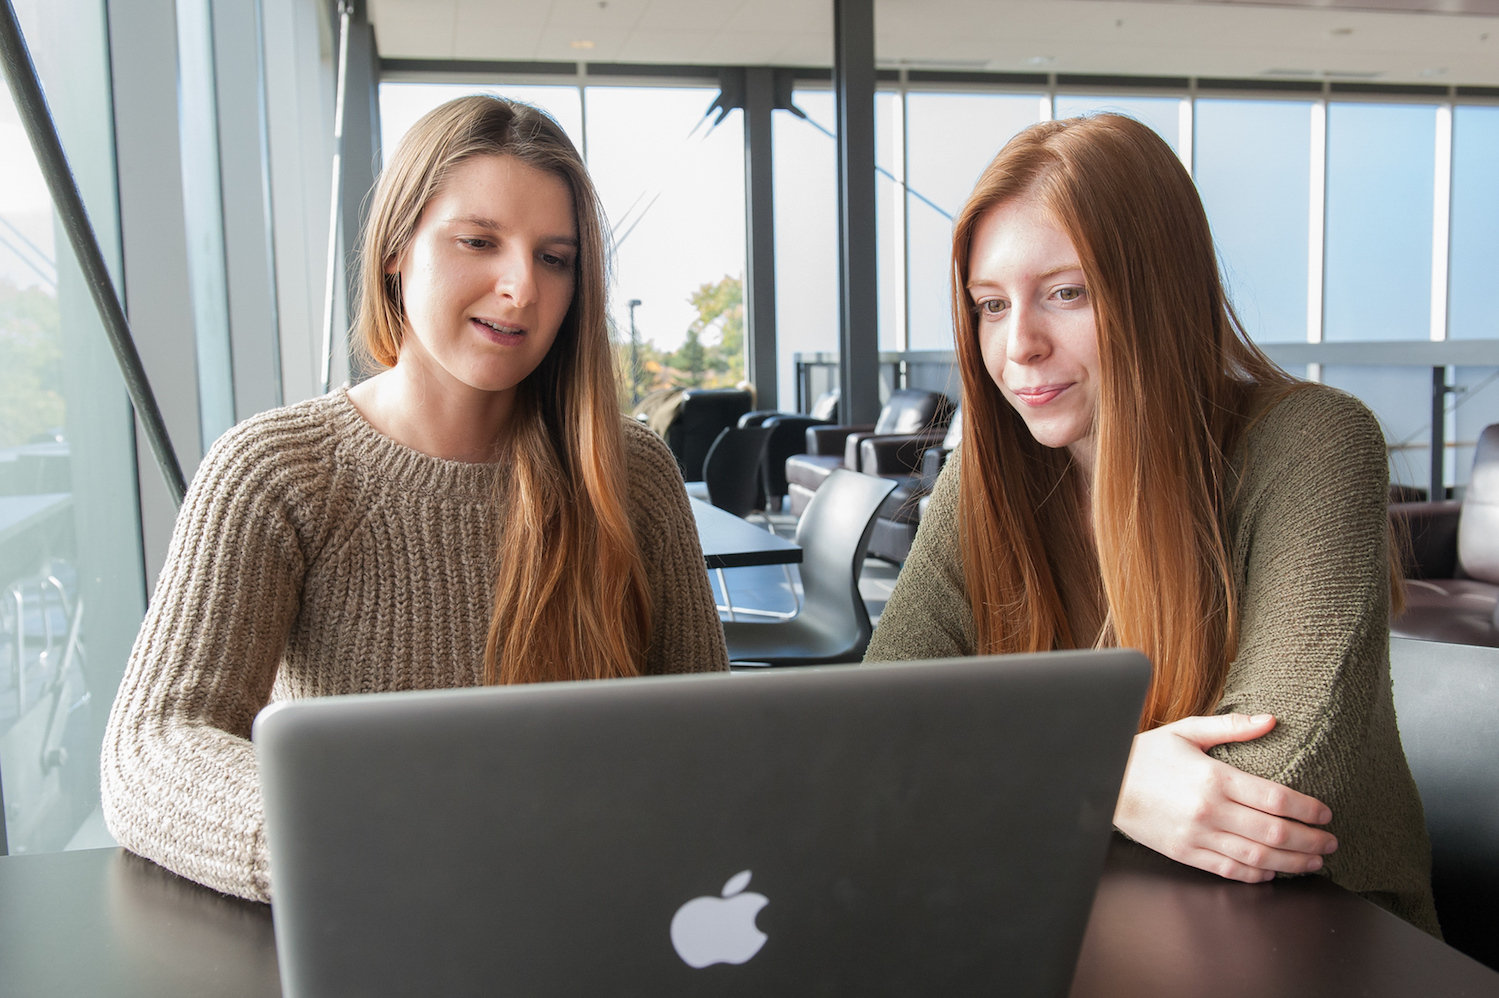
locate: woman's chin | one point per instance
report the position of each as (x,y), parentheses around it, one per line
(1051,434)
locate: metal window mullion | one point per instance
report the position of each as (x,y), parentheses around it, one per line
(583,110)
(1186,132)
(903,134)
(333,272)
(1316,256)
(1441,228)
(1441,222)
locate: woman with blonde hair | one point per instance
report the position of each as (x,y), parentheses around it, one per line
(1135,473)
(478,512)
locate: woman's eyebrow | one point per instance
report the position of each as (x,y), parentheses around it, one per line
(1063,269)
(479,221)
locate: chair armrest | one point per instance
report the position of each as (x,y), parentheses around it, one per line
(933,460)
(793,422)
(1427,533)
(754,418)
(898,454)
(827,440)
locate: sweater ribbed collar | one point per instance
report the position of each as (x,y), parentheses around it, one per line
(397,464)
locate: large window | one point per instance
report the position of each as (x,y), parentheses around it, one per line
(1381,166)
(1252,165)
(1163,114)
(71,595)
(950,139)
(1330,215)
(805,175)
(1474,272)
(672,184)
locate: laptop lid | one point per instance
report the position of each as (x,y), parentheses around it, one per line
(904,828)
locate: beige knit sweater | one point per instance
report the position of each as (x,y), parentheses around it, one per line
(1308,529)
(315,556)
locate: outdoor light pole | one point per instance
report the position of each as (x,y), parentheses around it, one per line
(634,354)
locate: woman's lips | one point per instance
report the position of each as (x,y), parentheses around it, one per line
(499,332)
(1040,395)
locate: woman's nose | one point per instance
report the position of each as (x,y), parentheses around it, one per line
(515,277)
(1028,341)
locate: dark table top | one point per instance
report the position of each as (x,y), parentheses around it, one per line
(105,923)
(729,542)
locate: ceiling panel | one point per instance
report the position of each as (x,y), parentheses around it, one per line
(1145,37)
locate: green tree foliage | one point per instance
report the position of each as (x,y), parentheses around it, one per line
(720,304)
(711,357)
(31,384)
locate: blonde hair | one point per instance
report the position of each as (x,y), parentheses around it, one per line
(1178,374)
(571,598)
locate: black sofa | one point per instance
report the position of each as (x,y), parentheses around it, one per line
(908,412)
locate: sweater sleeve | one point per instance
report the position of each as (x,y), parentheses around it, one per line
(1313,588)
(686,634)
(928,614)
(179,780)
(1311,544)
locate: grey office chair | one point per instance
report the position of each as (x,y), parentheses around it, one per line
(1447,702)
(731,470)
(833,625)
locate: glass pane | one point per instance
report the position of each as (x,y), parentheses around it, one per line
(401,104)
(672,184)
(1161,113)
(1252,167)
(1474,269)
(952,137)
(806,220)
(71,577)
(1381,164)
(1401,398)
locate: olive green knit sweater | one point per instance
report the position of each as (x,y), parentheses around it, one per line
(315,556)
(1309,536)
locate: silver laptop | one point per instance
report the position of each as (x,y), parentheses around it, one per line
(915,828)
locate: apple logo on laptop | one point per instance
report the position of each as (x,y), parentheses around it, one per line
(709,930)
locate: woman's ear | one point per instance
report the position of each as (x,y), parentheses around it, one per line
(393,265)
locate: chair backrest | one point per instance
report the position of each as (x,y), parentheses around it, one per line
(954,438)
(732,468)
(1447,703)
(834,536)
(1478,530)
(704,413)
(826,406)
(911,410)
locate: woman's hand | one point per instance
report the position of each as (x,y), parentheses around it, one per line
(1183,803)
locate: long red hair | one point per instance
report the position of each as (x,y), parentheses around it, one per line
(1178,378)
(571,600)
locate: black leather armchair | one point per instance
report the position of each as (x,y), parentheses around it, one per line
(788,437)
(907,412)
(1452,574)
(704,413)
(914,461)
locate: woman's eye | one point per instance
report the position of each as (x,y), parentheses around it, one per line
(475,243)
(1069,293)
(553,260)
(993,306)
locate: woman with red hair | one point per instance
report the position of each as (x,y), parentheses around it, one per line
(1134,472)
